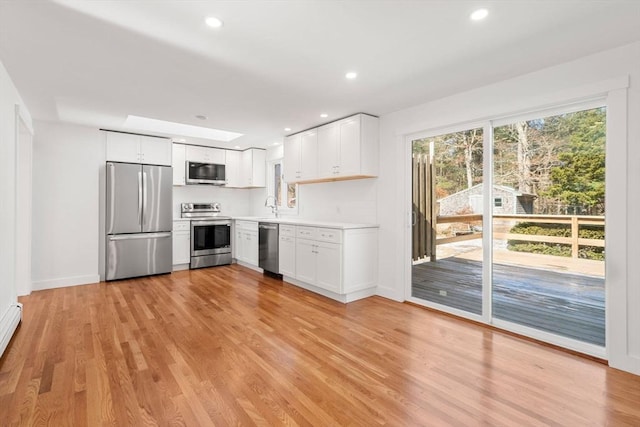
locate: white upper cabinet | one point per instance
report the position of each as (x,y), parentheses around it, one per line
(328,149)
(232,168)
(345,149)
(206,154)
(254,169)
(300,156)
(309,155)
(349,162)
(179,164)
(246,169)
(348,148)
(130,148)
(292,158)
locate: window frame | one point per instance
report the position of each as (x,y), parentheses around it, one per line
(283,205)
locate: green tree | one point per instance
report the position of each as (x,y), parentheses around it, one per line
(578,179)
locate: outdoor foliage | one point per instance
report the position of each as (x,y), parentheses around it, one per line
(559,230)
(559,159)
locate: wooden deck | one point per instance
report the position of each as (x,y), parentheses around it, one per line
(566,304)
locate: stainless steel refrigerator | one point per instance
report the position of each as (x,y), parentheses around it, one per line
(138,220)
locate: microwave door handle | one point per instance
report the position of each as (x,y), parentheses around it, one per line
(140,199)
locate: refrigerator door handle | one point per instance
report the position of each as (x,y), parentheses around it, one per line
(138,236)
(140,198)
(144,198)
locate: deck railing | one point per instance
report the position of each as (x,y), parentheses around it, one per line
(469,231)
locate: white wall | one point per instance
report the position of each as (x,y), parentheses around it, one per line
(9,99)
(67,162)
(341,201)
(600,74)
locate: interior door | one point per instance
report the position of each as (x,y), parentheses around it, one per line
(124,198)
(157,184)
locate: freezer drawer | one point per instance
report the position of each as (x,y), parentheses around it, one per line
(133,255)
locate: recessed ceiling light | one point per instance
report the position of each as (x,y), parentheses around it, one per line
(479,14)
(237,146)
(275,143)
(287,129)
(351,75)
(161,126)
(201,117)
(324,115)
(213,22)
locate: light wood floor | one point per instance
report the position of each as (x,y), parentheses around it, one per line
(227,346)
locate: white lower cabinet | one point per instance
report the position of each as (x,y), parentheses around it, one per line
(340,264)
(181,242)
(287,258)
(329,266)
(246,242)
(306,261)
(319,264)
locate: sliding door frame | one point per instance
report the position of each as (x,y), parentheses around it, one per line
(486,317)
(408,146)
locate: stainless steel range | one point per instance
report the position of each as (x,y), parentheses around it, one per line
(210,234)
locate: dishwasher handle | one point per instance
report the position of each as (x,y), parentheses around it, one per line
(268,227)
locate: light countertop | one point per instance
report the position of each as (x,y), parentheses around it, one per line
(307,222)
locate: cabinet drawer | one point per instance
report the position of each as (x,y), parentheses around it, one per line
(247,225)
(329,235)
(287,239)
(306,232)
(288,230)
(181,226)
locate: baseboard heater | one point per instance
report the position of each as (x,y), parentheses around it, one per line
(8,324)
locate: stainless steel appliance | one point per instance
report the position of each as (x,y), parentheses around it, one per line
(138,220)
(268,247)
(210,234)
(205,173)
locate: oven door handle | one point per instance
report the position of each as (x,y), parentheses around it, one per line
(212,222)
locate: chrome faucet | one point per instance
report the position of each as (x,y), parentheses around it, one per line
(273,206)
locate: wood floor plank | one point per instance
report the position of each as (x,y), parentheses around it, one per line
(229,346)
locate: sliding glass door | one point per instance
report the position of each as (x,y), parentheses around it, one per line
(508,225)
(548,224)
(447,252)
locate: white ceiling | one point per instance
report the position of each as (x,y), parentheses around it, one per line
(277,64)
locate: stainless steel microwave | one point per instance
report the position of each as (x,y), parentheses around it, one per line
(205,173)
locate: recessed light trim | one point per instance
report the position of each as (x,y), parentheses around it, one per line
(479,15)
(213,22)
(161,126)
(236,147)
(287,129)
(351,75)
(324,115)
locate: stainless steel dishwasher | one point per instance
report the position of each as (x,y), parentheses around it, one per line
(268,247)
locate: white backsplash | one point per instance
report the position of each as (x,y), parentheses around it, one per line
(233,201)
(342,201)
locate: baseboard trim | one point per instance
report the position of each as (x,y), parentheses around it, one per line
(64,282)
(392,294)
(8,324)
